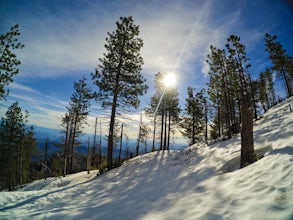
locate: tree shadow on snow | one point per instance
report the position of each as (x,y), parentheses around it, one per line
(285,150)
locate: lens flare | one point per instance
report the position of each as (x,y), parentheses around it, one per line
(169,80)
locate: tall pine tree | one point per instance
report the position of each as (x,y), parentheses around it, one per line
(230,91)
(17,145)
(73,121)
(282,62)
(118,77)
(224,93)
(240,64)
(193,121)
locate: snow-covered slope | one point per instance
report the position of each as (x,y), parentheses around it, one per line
(185,184)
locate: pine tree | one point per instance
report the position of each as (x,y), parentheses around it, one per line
(118,77)
(282,63)
(223,92)
(8,60)
(193,120)
(17,145)
(240,63)
(263,96)
(270,88)
(144,132)
(165,105)
(73,121)
(172,113)
(230,89)
(267,95)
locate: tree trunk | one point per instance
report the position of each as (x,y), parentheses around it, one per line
(169,131)
(88,159)
(193,131)
(247,145)
(94,150)
(154,134)
(206,121)
(287,83)
(253,97)
(66,147)
(111,134)
(162,127)
(165,131)
(73,142)
(46,157)
(219,121)
(112,121)
(121,139)
(100,148)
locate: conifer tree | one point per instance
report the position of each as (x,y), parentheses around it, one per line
(73,121)
(263,96)
(118,77)
(8,60)
(223,92)
(143,137)
(282,62)
(240,64)
(168,110)
(17,145)
(193,120)
(270,87)
(267,95)
(230,90)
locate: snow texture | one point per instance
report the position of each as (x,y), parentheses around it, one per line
(199,182)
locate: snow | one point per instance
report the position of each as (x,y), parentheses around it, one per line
(199,182)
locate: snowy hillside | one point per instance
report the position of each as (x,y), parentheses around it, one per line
(186,184)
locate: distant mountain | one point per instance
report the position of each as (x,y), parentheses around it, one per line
(43,133)
(54,135)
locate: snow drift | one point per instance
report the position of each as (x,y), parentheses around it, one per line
(193,183)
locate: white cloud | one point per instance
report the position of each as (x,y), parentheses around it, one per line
(23,88)
(56,45)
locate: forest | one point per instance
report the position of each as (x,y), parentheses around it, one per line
(228,106)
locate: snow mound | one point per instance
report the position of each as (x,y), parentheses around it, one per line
(185,184)
(56,182)
(234,164)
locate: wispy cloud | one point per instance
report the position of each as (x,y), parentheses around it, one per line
(60,43)
(44,110)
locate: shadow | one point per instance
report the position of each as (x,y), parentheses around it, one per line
(154,186)
(30,200)
(37,197)
(285,150)
(234,164)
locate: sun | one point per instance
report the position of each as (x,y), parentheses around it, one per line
(169,80)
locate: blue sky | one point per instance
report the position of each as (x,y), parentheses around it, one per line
(65,38)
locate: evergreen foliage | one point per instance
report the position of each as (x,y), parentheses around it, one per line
(8,60)
(230,89)
(118,77)
(267,96)
(17,145)
(224,94)
(282,62)
(143,133)
(240,64)
(74,120)
(194,119)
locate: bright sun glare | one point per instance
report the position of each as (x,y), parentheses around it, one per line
(169,80)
